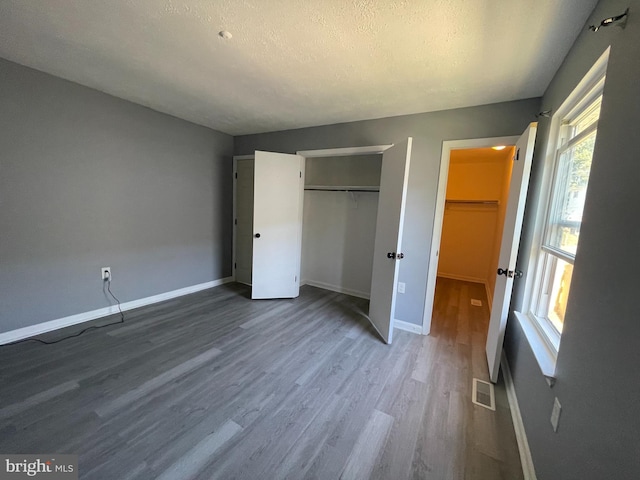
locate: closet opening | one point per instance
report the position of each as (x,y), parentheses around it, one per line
(338,219)
(480,204)
(476,197)
(328,218)
(339,222)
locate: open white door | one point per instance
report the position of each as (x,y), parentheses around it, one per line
(277,220)
(509,248)
(388,243)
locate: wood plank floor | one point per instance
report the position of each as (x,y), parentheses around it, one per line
(216,386)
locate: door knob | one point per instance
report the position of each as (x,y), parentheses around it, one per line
(519,273)
(391,255)
(257,235)
(400,256)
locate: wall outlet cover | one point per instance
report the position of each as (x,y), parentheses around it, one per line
(401,287)
(105,273)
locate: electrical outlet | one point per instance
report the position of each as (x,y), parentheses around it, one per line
(555,414)
(105,272)
(401,286)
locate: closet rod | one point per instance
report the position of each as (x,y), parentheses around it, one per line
(477,202)
(324,189)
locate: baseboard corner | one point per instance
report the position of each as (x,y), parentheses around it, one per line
(489,295)
(407,327)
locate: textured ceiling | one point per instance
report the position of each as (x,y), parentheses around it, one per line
(296,63)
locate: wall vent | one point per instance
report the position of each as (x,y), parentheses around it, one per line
(476,303)
(483,394)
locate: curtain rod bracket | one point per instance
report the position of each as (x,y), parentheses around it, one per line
(618,20)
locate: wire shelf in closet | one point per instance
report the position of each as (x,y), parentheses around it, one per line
(343,188)
(473,202)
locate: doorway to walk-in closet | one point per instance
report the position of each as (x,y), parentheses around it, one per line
(482,190)
(475,206)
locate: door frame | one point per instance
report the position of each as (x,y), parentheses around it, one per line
(441,193)
(325,152)
(233,220)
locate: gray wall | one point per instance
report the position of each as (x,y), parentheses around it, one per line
(428,131)
(597,370)
(89,180)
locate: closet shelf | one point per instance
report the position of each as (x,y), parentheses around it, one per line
(343,188)
(475,202)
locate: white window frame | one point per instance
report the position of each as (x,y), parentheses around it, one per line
(540,333)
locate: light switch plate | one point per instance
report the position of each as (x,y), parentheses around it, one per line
(401,287)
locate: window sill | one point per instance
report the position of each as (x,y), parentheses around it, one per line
(543,353)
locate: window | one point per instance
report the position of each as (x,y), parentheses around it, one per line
(566,179)
(570,179)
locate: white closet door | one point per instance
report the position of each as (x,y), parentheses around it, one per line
(509,248)
(277,220)
(388,242)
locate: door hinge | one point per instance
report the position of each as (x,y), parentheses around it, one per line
(235,265)
(235,222)
(511,273)
(517,155)
(295,279)
(236,175)
(300,174)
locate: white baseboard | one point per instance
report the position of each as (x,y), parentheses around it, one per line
(489,296)
(463,278)
(407,327)
(336,288)
(521,436)
(32,330)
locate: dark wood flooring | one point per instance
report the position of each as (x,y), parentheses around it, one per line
(216,386)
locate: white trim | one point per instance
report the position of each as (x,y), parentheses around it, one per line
(407,327)
(336,288)
(234,227)
(303,175)
(582,93)
(344,152)
(489,296)
(32,330)
(542,351)
(447,147)
(528,468)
